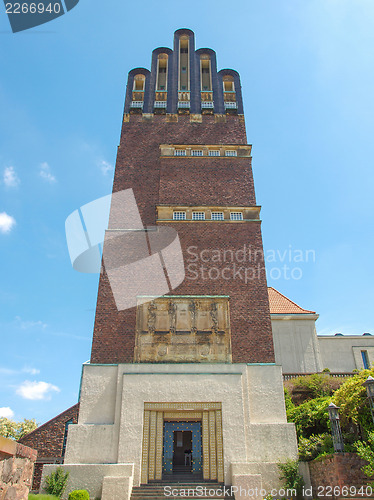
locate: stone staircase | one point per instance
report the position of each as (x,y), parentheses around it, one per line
(182,489)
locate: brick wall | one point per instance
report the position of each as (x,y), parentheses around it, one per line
(48,440)
(337,470)
(201,181)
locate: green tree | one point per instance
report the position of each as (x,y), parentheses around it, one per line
(16,430)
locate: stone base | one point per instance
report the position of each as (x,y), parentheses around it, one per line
(105,481)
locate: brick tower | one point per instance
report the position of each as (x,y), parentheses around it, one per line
(184,152)
(182,378)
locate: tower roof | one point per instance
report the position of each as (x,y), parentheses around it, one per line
(280,304)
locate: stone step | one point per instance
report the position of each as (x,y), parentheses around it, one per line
(156,490)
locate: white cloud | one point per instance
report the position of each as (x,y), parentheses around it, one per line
(27,325)
(10,177)
(32,371)
(45,173)
(6,222)
(36,390)
(105,167)
(6,412)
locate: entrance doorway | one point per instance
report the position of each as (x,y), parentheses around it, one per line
(182,448)
(203,420)
(182,452)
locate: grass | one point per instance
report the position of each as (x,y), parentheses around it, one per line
(42,497)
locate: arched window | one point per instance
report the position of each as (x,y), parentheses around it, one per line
(139,83)
(205,73)
(184,64)
(228,84)
(162,72)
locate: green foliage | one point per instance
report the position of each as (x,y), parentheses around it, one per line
(314,446)
(16,430)
(310,417)
(291,476)
(318,385)
(366,452)
(79,495)
(352,399)
(42,497)
(55,482)
(326,370)
(288,400)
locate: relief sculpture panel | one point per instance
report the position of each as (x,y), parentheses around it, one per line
(183,329)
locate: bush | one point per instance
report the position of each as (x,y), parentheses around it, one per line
(55,482)
(79,495)
(352,399)
(288,400)
(310,417)
(366,452)
(314,446)
(292,478)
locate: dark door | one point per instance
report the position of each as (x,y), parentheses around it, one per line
(182,446)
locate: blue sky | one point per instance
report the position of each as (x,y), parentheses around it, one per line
(307,71)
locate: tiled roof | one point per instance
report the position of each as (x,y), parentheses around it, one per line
(279,304)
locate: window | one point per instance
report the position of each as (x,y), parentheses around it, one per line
(217,216)
(66,436)
(214,152)
(179,152)
(236,216)
(231,152)
(198,215)
(206,80)
(139,82)
(365,359)
(184,69)
(228,84)
(162,69)
(196,152)
(179,215)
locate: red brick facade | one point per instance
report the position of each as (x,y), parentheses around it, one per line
(225,181)
(331,473)
(48,440)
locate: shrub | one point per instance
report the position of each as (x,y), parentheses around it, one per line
(352,399)
(293,480)
(55,482)
(79,495)
(310,417)
(288,400)
(314,446)
(317,385)
(366,452)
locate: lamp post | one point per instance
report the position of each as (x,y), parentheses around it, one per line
(336,431)
(369,384)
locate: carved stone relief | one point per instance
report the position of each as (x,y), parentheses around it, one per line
(183,329)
